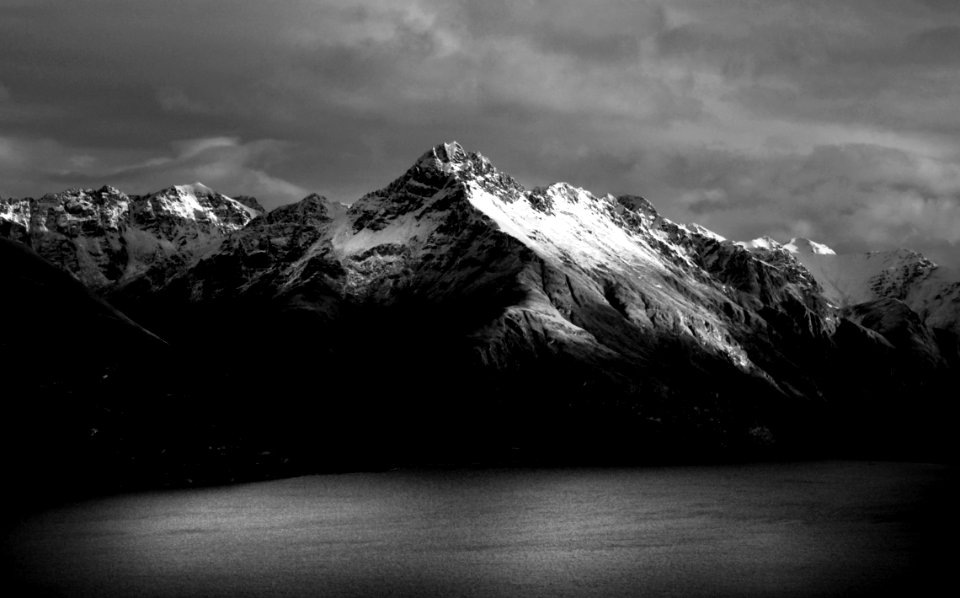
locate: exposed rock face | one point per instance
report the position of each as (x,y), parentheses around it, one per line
(540,298)
(456,311)
(580,269)
(106,238)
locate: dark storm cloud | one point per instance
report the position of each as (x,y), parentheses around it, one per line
(836,120)
(584,31)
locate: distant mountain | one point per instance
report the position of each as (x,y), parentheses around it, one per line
(900,294)
(455,316)
(105,237)
(929,290)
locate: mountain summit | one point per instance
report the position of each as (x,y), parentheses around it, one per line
(801,245)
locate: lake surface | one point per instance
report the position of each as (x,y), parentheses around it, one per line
(804,529)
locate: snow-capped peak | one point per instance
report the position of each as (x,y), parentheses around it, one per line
(764,242)
(446,157)
(195,189)
(451,151)
(802,245)
(198,201)
(451,159)
(184,201)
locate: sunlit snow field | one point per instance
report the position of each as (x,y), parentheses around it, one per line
(825,528)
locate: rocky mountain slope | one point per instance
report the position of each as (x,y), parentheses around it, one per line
(524,307)
(105,237)
(456,316)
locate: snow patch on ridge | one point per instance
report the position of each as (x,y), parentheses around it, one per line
(15,211)
(764,242)
(801,245)
(188,205)
(575,228)
(571,226)
(403,230)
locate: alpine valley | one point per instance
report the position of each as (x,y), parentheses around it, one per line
(453,317)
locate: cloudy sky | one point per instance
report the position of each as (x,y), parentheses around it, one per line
(836,120)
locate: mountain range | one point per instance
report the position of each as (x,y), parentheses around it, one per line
(455,317)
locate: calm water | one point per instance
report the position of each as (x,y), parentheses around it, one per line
(836,528)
